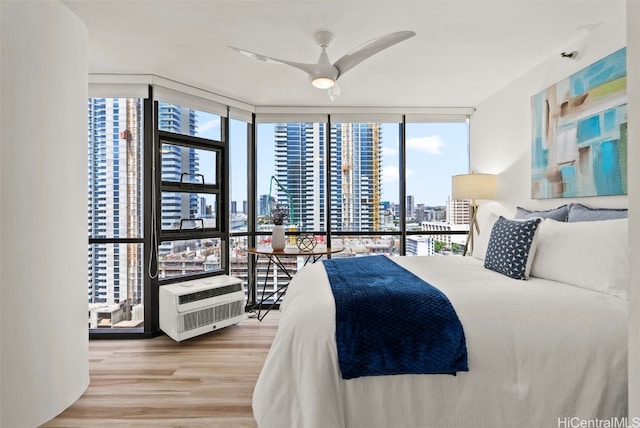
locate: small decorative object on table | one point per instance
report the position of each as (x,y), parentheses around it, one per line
(278,241)
(306,242)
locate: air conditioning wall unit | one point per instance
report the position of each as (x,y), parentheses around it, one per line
(191,308)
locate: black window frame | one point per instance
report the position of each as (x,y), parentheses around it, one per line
(220,188)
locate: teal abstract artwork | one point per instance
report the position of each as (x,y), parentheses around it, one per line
(579,133)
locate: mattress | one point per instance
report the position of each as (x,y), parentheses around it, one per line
(539,351)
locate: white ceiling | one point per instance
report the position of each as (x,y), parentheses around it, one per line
(463,51)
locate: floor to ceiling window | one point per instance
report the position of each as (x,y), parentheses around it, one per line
(290,175)
(239,203)
(365,187)
(435,151)
(115,213)
(191,196)
(383,186)
(157,210)
(192,214)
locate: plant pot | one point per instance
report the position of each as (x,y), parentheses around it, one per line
(278,240)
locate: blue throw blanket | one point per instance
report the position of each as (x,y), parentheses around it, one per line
(389,321)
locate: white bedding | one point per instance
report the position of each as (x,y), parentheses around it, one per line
(538,351)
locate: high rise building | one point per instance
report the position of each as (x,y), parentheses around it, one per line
(263,205)
(355,162)
(355,179)
(420,214)
(299,159)
(458,212)
(458,215)
(115,208)
(114,201)
(176,161)
(410,206)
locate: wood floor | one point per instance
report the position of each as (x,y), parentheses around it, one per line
(206,381)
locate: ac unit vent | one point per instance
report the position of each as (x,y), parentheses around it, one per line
(191,308)
(207,294)
(209,316)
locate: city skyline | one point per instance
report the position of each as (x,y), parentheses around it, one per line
(236,204)
(436,151)
(364,172)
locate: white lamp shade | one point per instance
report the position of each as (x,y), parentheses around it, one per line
(473,186)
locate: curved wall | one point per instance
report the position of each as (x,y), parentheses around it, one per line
(44,355)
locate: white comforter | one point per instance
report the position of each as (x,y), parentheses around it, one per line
(539,352)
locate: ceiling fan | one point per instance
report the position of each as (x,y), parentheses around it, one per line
(323,74)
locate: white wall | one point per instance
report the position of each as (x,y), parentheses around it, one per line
(44,354)
(501,144)
(633,88)
(500,128)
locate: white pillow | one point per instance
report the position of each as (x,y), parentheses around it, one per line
(593,254)
(482,240)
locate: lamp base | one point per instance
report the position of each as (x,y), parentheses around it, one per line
(473,228)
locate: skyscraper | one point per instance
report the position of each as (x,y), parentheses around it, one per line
(115,141)
(299,159)
(115,191)
(355,174)
(356,202)
(175,161)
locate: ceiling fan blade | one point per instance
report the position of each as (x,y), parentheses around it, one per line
(307,68)
(334,92)
(372,47)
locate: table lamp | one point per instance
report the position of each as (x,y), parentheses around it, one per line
(471,187)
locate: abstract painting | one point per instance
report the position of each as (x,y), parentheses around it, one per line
(579,128)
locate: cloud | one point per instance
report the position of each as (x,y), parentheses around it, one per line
(208,125)
(432,144)
(388,151)
(390,174)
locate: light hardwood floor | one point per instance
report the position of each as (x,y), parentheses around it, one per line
(206,381)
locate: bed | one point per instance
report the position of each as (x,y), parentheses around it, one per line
(540,351)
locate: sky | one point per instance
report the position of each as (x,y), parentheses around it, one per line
(435,152)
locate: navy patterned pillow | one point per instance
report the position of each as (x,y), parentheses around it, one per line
(511,247)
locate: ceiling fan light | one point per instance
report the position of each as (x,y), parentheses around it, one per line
(323,82)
